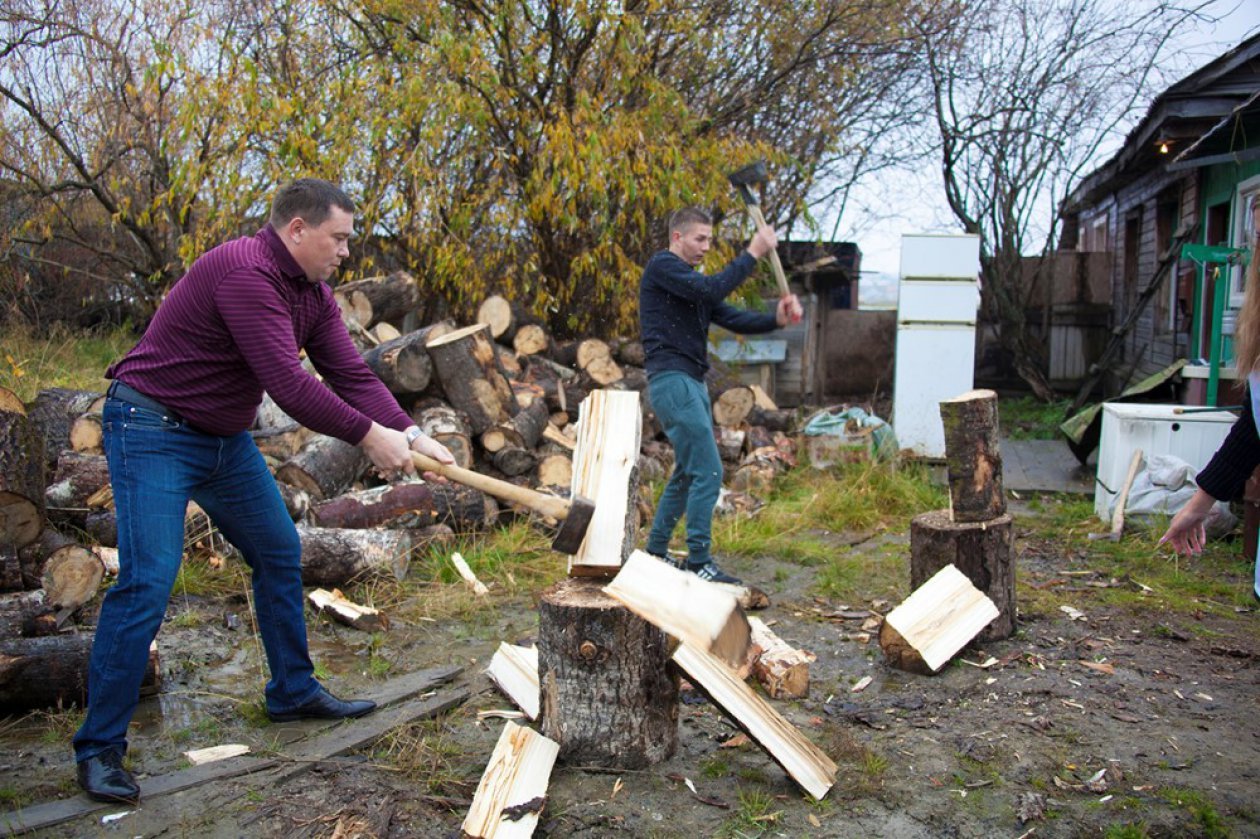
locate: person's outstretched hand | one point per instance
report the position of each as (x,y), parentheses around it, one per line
(788,311)
(1186,532)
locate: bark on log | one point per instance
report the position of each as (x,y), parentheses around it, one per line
(509,363)
(464,509)
(336,556)
(633,378)
(281,443)
(982,551)
(87,435)
(22,476)
(297,502)
(52,672)
(10,568)
(548,375)
(774,419)
(77,479)
(629,352)
(403,504)
(403,364)
(375,299)
(973,459)
(522,431)
(324,468)
(445,425)
(531,340)
(53,412)
(21,613)
(608,696)
(514,461)
(471,376)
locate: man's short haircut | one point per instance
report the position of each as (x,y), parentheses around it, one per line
(310,199)
(688,216)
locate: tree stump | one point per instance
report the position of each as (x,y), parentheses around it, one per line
(608,696)
(972,457)
(983,551)
(324,467)
(472,377)
(22,475)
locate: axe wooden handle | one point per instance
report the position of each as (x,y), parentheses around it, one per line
(548,505)
(754,210)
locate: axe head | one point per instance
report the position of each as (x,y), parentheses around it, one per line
(744,179)
(574,525)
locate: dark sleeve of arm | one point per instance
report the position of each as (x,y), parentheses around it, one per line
(742,321)
(680,279)
(1228,470)
(343,368)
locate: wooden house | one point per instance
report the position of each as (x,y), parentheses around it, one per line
(1187,174)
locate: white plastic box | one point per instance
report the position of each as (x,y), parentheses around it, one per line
(1154,429)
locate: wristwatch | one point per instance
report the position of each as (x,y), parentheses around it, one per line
(412,433)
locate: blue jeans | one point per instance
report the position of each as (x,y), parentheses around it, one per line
(156,465)
(682,405)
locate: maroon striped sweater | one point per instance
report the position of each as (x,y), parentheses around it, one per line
(232,327)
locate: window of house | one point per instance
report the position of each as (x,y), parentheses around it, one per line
(1094,234)
(1240,233)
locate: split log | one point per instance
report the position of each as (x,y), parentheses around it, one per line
(606,470)
(403,364)
(71,577)
(336,556)
(608,695)
(503,316)
(973,459)
(52,672)
(403,504)
(515,670)
(692,610)
(22,474)
(324,467)
(935,622)
(77,479)
(749,598)
(513,788)
(87,436)
(345,611)
(472,377)
(461,566)
(555,470)
(531,340)
(983,551)
(780,669)
(732,405)
(53,412)
(445,425)
(514,461)
(804,762)
(213,754)
(375,299)
(522,431)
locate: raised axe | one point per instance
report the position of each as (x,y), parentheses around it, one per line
(743,180)
(573,514)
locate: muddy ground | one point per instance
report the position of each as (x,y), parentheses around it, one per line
(1158,736)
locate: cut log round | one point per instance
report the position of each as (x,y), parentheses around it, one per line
(383,332)
(71,577)
(52,672)
(503,316)
(471,376)
(530,340)
(445,425)
(522,431)
(601,371)
(375,299)
(973,459)
(324,468)
(86,434)
(22,476)
(732,406)
(555,470)
(591,350)
(982,551)
(393,505)
(336,556)
(53,411)
(77,479)
(37,553)
(403,364)
(608,696)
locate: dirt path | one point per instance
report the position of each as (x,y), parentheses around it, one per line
(1116,723)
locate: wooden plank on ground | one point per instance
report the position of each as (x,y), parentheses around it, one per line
(804,762)
(51,813)
(513,788)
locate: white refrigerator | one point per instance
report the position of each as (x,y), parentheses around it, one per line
(938,298)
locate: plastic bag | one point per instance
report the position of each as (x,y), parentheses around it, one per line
(854,425)
(1164,487)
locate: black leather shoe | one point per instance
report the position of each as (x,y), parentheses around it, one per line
(324,706)
(103,778)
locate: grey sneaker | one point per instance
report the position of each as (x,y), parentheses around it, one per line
(709,571)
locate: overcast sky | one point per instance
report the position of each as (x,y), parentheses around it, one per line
(912,202)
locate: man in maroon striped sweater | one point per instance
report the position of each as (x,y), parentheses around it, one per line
(176,428)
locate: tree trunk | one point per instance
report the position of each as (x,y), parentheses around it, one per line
(630,352)
(973,459)
(22,476)
(472,377)
(608,696)
(393,505)
(324,468)
(983,551)
(52,672)
(53,412)
(78,478)
(403,364)
(335,556)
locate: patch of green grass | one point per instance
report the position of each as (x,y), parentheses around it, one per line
(33,361)
(1136,830)
(715,766)
(427,754)
(59,726)
(1201,809)
(754,815)
(199,578)
(1028,418)
(858,574)
(12,799)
